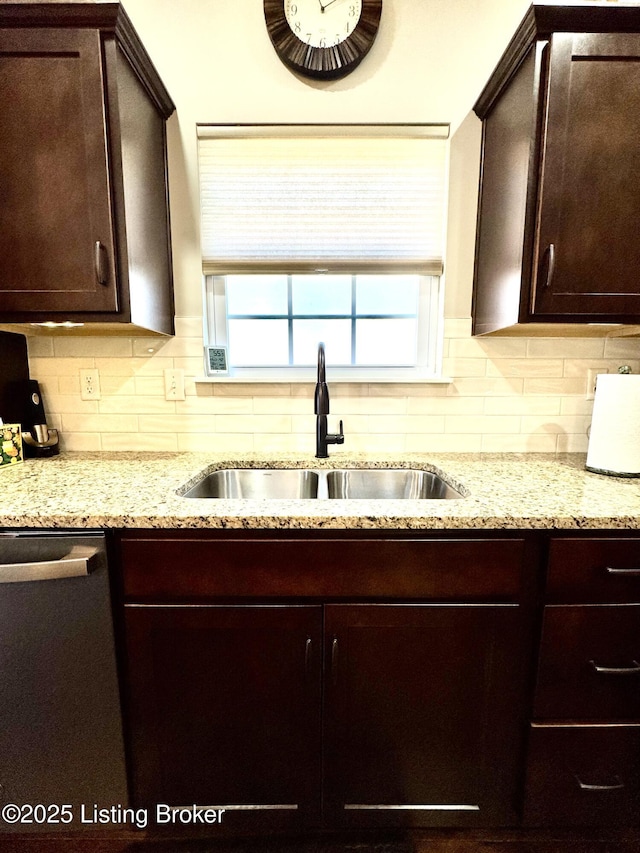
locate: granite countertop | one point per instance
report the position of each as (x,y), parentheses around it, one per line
(502,491)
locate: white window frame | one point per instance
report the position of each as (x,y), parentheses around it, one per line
(428,367)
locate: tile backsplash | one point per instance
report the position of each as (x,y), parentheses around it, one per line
(506,394)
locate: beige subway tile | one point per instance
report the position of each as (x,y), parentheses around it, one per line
(565,348)
(133,367)
(40,346)
(456,367)
(181,348)
(99,423)
(140,441)
(117,385)
(578,367)
(487,386)
(367,406)
(446,405)
(177,423)
(283,406)
(123,404)
(542,443)
(282,443)
(522,406)
(80,441)
(622,349)
(191,366)
(261,424)
(419,424)
(374,443)
(525,367)
(77,347)
(576,406)
(149,386)
(488,348)
(457,327)
(215,406)
(434,443)
(147,347)
(503,424)
(68,404)
(407,389)
(251,389)
(57,367)
(572,443)
(558,424)
(550,386)
(221,443)
(69,384)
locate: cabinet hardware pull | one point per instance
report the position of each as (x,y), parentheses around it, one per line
(334,660)
(615,785)
(617,670)
(101,263)
(307,655)
(551,252)
(631,572)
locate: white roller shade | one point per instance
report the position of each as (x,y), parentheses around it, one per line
(344,199)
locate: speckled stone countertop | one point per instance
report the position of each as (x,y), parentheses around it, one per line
(142,490)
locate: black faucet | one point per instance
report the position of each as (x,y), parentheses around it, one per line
(321,408)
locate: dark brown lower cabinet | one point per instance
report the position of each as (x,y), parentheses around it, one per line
(225,710)
(421,726)
(416,702)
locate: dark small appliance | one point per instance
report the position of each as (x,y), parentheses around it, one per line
(21,399)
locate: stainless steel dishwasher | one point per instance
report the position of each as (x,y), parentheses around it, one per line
(60,721)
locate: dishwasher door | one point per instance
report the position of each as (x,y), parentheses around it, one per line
(60,717)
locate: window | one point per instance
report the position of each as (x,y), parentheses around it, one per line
(324,234)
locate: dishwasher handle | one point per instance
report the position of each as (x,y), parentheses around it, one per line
(78,562)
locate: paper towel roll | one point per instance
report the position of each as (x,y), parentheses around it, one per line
(614,441)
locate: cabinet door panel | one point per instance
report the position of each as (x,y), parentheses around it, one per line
(422,709)
(225,710)
(54,198)
(587,247)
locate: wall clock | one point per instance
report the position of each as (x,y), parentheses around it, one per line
(323,39)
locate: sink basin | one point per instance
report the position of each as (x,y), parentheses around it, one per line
(257,484)
(338,484)
(388,484)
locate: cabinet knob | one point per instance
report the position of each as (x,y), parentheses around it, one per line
(101,263)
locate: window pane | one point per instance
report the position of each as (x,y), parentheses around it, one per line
(257,294)
(335,334)
(386,342)
(387,294)
(321,294)
(258,343)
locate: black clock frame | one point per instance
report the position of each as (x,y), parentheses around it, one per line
(322,63)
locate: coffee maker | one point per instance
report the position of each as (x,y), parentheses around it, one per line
(38,439)
(21,399)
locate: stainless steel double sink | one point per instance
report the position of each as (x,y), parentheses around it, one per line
(336,484)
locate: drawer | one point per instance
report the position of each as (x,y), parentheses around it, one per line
(583,775)
(594,570)
(180,567)
(589,666)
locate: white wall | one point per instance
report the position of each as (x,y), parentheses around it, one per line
(428,64)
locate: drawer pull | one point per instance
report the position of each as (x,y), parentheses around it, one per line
(307,656)
(334,660)
(616,670)
(631,572)
(615,785)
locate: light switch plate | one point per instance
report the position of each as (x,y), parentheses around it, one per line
(174,384)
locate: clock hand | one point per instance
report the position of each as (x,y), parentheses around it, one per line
(328,4)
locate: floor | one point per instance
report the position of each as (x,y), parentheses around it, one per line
(422,843)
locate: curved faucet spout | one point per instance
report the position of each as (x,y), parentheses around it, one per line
(321,407)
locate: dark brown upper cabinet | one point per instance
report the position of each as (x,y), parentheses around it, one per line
(560,173)
(84,218)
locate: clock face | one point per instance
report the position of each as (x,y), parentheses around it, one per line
(324,39)
(322,23)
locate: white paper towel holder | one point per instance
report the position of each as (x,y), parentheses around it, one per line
(614,438)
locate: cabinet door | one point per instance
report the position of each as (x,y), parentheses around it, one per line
(224,706)
(423,714)
(56,243)
(587,250)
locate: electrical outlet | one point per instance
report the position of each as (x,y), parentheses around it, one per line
(89,384)
(173,384)
(592,375)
